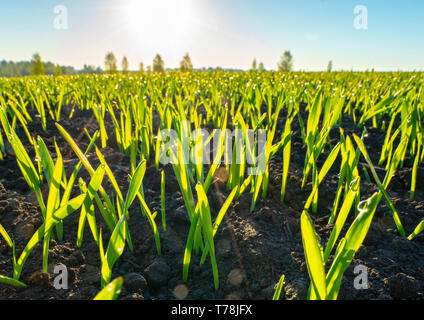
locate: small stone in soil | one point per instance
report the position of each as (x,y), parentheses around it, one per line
(25,230)
(91,274)
(157,274)
(3,205)
(39,279)
(403,244)
(236,277)
(135,282)
(402,286)
(76,258)
(180,291)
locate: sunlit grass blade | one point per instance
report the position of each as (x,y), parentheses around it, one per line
(206,222)
(162,199)
(417,231)
(313,256)
(108,209)
(87,210)
(53,203)
(277,292)
(6,236)
(219,218)
(135,185)
(380,185)
(111,291)
(286,161)
(341,218)
(59,215)
(12,282)
(151,219)
(352,241)
(114,250)
(190,242)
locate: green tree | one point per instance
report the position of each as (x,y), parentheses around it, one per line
(89,69)
(37,65)
(125,65)
(186,65)
(111,63)
(286,62)
(58,70)
(254,65)
(261,67)
(330,66)
(141,67)
(158,64)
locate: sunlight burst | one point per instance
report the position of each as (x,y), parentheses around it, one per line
(160,21)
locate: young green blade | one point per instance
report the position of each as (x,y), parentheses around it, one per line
(109,174)
(76,149)
(219,218)
(114,250)
(190,242)
(53,203)
(206,222)
(71,181)
(257,187)
(87,210)
(2,147)
(352,241)
(83,215)
(415,171)
(417,231)
(151,219)
(318,178)
(6,236)
(24,161)
(135,184)
(286,160)
(313,256)
(101,249)
(108,210)
(58,216)
(329,163)
(244,186)
(4,121)
(162,199)
(111,291)
(12,282)
(389,175)
(46,160)
(341,218)
(216,161)
(277,292)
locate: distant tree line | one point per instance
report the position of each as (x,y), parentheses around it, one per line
(158,64)
(23,68)
(38,67)
(285,64)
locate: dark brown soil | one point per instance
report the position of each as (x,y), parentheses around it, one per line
(253,249)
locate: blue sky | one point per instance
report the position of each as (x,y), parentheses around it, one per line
(226,33)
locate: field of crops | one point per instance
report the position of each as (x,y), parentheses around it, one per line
(336,192)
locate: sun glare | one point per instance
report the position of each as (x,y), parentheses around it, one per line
(159,21)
